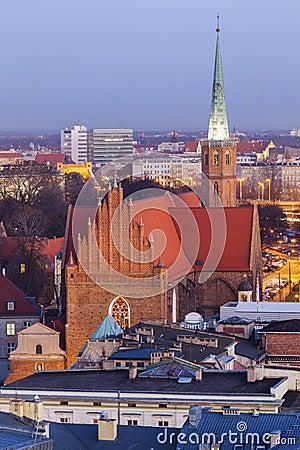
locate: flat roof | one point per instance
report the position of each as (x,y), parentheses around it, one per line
(118,381)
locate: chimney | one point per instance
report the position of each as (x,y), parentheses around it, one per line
(195,414)
(251,374)
(108,364)
(198,374)
(107,430)
(255,373)
(132,372)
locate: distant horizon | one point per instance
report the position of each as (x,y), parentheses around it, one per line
(55,131)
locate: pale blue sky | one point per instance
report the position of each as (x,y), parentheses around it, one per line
(147,64)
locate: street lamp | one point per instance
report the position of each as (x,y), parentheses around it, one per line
(240,180)
(268,180)
(262,190)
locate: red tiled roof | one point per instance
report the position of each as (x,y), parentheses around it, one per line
(254,146)
(44,158)
(11,155)
(9,291)
(191,146)
(165,212)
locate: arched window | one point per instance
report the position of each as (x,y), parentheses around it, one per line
(227,158)
(120,311)
(39,366)
(38,349)
(206,159)
(216,187)
(216,159)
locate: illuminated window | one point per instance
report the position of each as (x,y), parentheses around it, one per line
(119,309)
(22,268)
(10,329)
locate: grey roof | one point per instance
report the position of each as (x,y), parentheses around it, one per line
(16,435)
(134,353)
(217,423)
(84,437)
(248,348)
(171,368)
(283,326)
(216,382)
(236,320)
(165,338)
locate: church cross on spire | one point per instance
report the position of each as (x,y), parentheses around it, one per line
(218,125)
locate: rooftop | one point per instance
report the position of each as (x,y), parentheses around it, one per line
(217,383)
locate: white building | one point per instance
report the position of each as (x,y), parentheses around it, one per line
(261,311)
(111,143)
(163,168)
(75,143)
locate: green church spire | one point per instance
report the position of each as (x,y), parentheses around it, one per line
(218,125)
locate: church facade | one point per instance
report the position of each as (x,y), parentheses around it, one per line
(88,301)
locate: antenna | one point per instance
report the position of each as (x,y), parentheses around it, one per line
(218,23)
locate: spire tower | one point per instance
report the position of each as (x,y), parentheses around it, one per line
(219,151)
(218,125)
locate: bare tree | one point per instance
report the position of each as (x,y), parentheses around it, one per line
(27,222)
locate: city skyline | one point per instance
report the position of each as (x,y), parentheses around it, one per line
(147,66)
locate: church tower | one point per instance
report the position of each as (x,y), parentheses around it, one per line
(219,151)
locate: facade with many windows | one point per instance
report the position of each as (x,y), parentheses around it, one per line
(16,314)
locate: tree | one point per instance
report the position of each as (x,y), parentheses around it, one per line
(27,222)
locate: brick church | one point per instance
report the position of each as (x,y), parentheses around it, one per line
(88,302)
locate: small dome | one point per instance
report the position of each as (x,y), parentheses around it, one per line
(193,318)
(245,286)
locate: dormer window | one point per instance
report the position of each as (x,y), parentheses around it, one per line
(10,305)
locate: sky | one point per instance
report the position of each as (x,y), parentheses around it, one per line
(147,64)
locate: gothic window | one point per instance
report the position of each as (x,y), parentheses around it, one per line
(120,311)
(206,158)
(216,159)
(227,158)
(216,187)
(38,349)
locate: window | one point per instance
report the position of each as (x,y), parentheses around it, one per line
(65,419)
(162,405)
(118,364)
(38,349)
(216,159)
(216,188)
(64,402)
(227,158)
(10,305)
(10,347)
(26,324)
(97,403)
(132,422)
(131,405)
(22,268)
(140,365)
(163,423)
(206,159)
(39,366)
(10,329)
